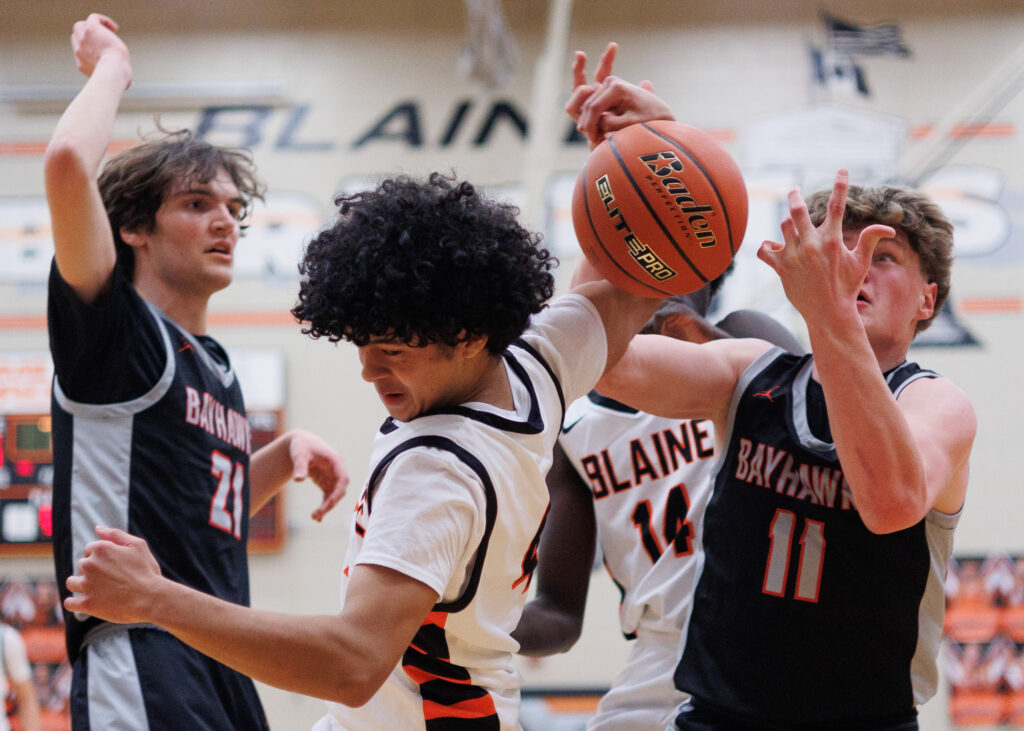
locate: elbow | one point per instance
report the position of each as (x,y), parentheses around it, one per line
(357,687)
(567,633)
(572,628)
(63,163)
(883,525)
(893,517)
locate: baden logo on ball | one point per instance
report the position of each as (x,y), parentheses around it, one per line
(660,208)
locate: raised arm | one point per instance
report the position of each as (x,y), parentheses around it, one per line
(343,658)
(900,457)
(83,242)
(552,621)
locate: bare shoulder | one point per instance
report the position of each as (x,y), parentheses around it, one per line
(942,403)
(738,353)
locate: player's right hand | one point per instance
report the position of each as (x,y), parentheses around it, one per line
(92,39)
(116,577)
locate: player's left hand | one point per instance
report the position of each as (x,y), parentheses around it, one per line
(115,578)
(821,276)
(680,321)
(312,457)
(609,104)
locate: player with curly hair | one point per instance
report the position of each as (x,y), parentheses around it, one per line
(444,294)
(406,245)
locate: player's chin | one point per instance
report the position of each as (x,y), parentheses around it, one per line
(397,406)
(220,277)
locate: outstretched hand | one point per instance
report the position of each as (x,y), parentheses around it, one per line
(116,577)
(312,457)
(93,38)
(610,103)
(820,274)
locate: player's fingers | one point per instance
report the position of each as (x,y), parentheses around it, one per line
(331,498)
(327,504)
(75,583)
(74,603)
(769,253)
(575,104)
(588,122)
(789,233)
(579,70)
(117,536)
(646,85)
(833,224)
(868,240)
(801,219)
(604,66)
(300,467)
(604,99)
(103,20)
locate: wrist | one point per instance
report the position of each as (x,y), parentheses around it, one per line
(116,61)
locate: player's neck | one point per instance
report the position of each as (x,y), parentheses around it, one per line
(188,310)
(492,385)
(887,358)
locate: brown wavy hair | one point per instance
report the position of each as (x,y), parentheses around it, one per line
(134,183)
(928,231)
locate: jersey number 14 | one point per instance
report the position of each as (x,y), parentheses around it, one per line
(676,530)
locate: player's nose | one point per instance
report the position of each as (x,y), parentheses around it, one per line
(372,365)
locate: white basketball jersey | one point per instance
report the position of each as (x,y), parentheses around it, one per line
(650,479)
(458,669)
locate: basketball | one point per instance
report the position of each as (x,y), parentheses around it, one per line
(660,208)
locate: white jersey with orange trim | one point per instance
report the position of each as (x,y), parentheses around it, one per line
(456,499)
(650,478)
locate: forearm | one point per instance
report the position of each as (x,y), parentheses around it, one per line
(270,468)
(876,447)
(312,655)
(86,127)
(28,706)
(82,239)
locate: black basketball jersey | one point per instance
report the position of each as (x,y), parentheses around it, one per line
(169,463)
(801,615)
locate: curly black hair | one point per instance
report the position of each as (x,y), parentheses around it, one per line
(423,262)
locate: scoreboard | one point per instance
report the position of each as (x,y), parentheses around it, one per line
(26,462)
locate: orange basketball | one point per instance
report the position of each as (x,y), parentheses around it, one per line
(660,208)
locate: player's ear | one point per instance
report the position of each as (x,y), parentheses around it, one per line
(927,306)
(473,345)
(133,237)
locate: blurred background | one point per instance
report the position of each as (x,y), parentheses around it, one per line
(329,96)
